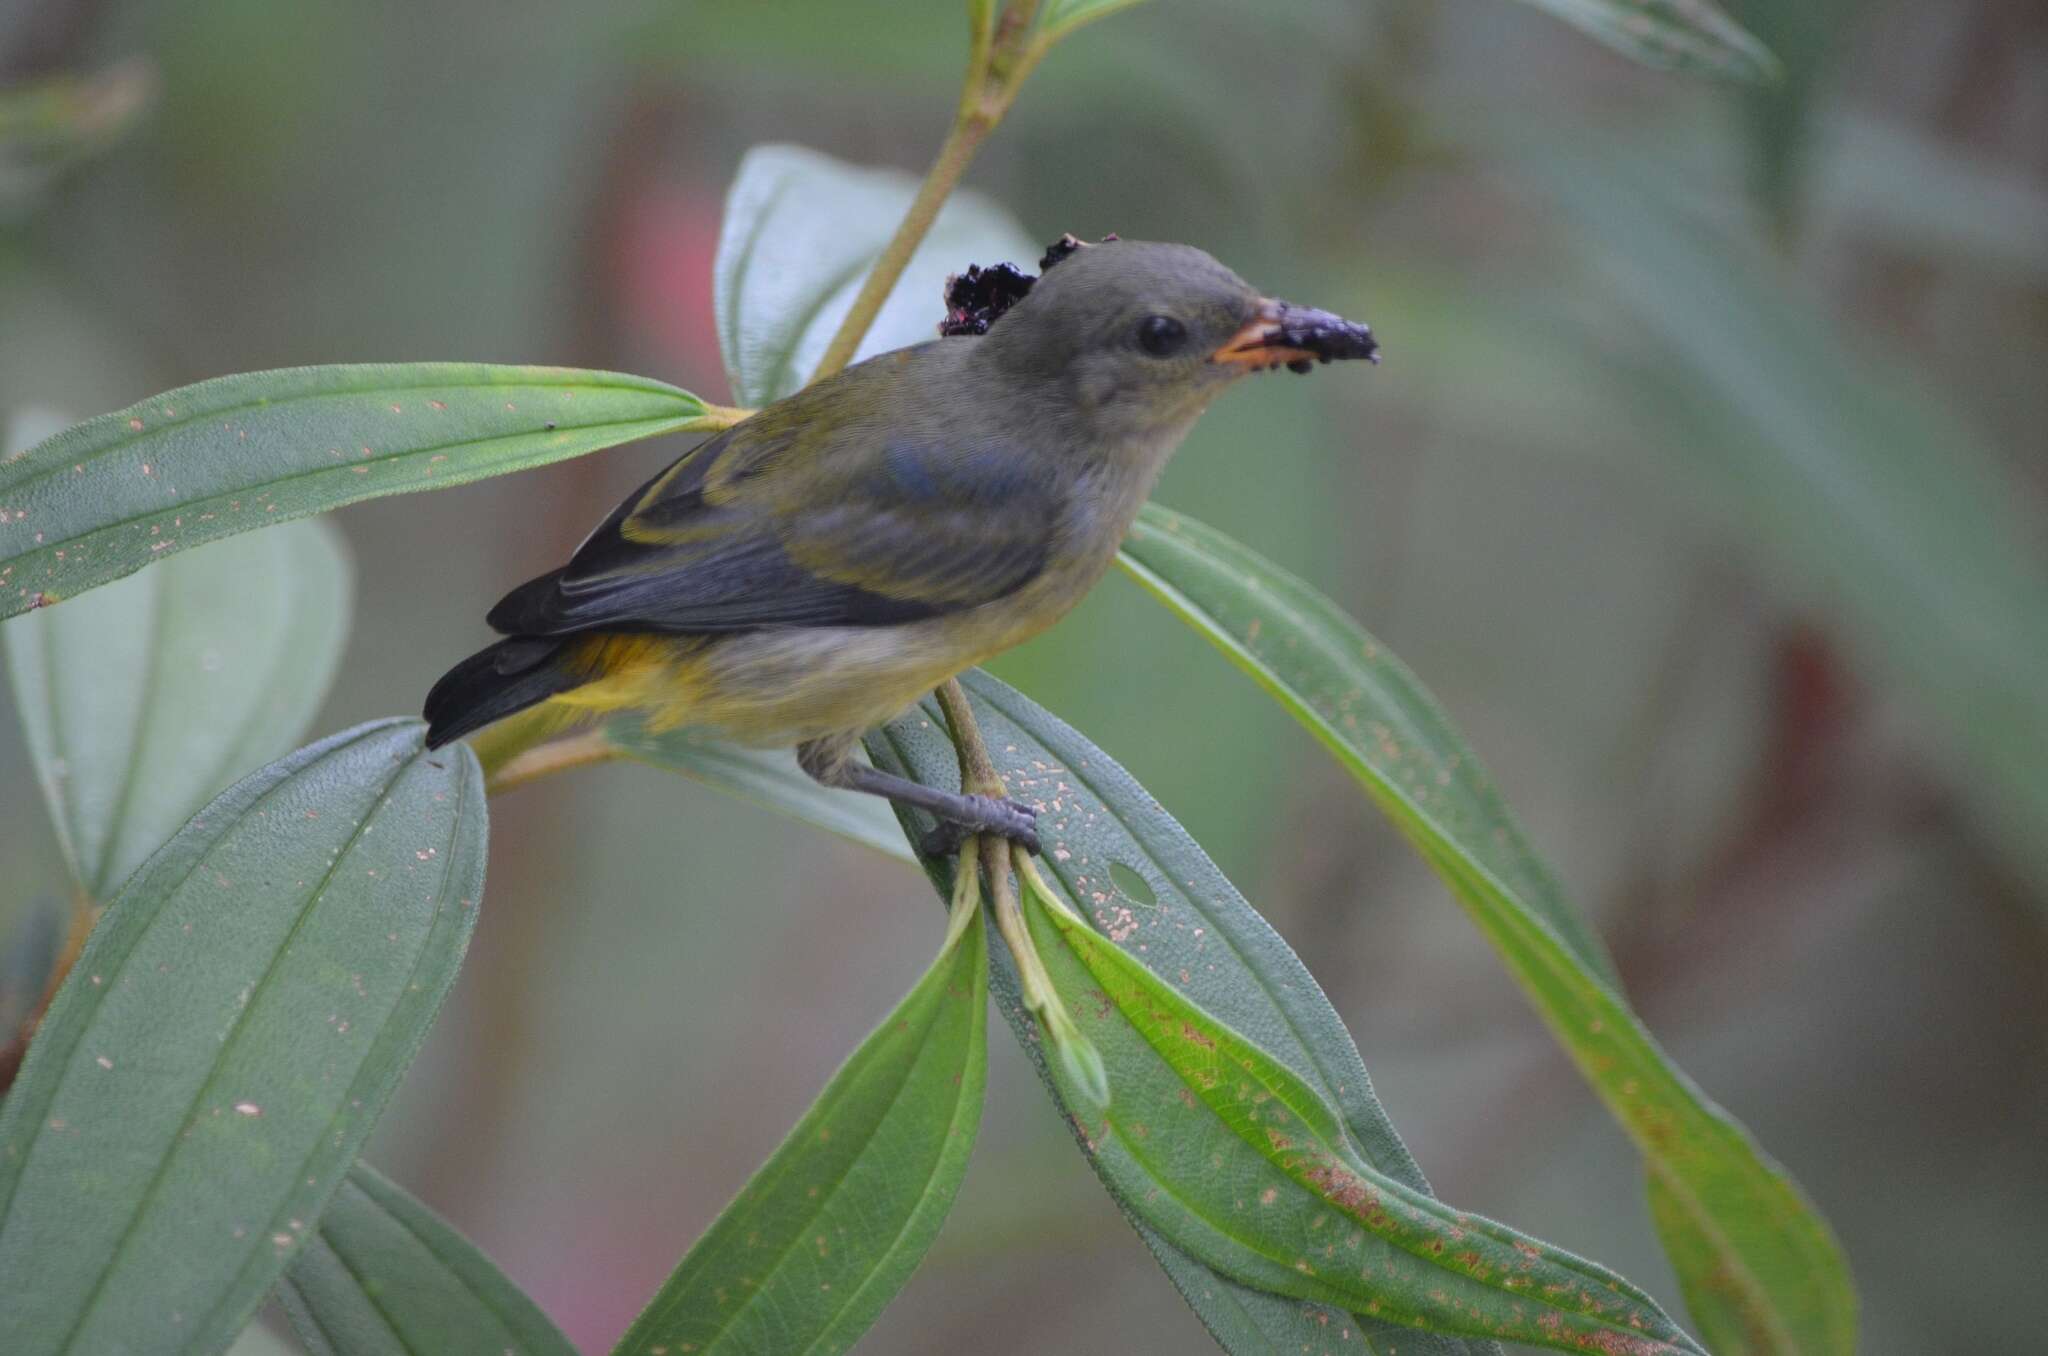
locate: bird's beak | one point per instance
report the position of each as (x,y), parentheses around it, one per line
(1299,337)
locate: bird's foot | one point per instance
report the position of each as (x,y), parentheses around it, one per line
(1006,818)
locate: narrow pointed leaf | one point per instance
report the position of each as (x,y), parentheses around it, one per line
(106,497)
(1752,1237)
(227,1039)
(1679,35)
(840,1215)
(1100,827)
(1241,1163)
(385,1276)
(801,232)
(147,698)
(766,777)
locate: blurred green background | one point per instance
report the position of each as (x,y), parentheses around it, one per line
(1705,482)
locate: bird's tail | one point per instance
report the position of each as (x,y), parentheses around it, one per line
(496,682)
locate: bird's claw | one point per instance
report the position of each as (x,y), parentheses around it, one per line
(1006,818)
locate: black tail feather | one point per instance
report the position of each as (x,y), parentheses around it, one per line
(494,683)
(524,608)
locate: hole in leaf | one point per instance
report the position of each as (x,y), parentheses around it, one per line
(1132,884)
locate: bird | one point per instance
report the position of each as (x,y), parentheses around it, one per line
(817,568)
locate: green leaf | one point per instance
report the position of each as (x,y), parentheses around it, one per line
(383,1275)
(142,701)
(1677,35)
(802,231)
(1099,826)
(226,1040)
(836,1220)
(766,777)
(1890,517)
(106,497)
(1753,1237)
(1242,1164)
(1061,17)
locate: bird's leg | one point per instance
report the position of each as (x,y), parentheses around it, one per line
(830,762)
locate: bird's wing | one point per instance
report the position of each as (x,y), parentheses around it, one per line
(754,531)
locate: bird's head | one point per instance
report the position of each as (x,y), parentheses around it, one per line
(1136,338)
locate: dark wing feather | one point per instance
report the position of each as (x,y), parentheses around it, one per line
(747,533)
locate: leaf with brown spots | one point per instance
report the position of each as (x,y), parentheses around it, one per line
(142,702)
(1093,818)
(1260,1181)
(106,497)
(226,1041)
(1743,1237)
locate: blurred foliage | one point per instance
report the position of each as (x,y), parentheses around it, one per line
(48,125)
(152,695)
(1773,814)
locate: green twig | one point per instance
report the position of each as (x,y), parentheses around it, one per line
(1003,51)
(542,760)
(978,775)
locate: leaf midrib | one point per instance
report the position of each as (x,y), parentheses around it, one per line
(369,1296)
(1428,1203)
(368,1068)
(960,1100)
(895,1096)
(665,424)
(239,1025)
(453,1264)
(1732,1260)
(10,1182)
(41,473)
(369,1293)
(1328,1090)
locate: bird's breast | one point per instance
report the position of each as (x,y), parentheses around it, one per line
(787,685)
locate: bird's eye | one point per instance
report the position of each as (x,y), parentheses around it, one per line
(1161,335)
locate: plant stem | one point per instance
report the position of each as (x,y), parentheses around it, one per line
(716,418)
(997,857)
(966,897)
(958,149)
(532,764)
(1081,1062)
(978,775)
(997,64)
